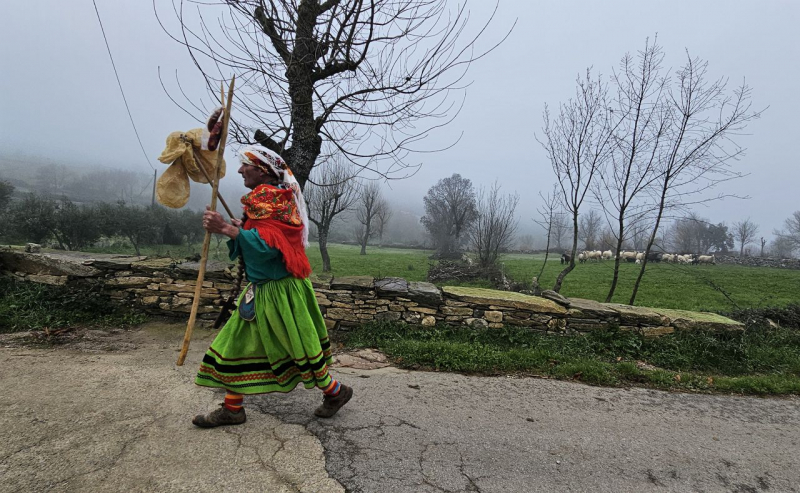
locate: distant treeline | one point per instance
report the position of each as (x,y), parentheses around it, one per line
(41,218)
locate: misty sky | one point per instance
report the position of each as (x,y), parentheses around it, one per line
(60,101)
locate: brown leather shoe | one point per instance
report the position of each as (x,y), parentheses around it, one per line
(220,417)
(332,404)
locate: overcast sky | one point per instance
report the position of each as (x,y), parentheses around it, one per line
(60,101)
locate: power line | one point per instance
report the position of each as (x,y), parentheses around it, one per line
(120,86)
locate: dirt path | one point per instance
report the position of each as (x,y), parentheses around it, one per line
(74,420)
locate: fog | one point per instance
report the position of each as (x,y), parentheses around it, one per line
(62,106)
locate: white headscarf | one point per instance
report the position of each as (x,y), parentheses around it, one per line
(271,161)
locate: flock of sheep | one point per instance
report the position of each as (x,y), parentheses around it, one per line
(638,257)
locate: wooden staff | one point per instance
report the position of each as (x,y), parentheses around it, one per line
(201,273)
(202,162)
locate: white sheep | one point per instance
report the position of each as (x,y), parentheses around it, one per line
(707,259)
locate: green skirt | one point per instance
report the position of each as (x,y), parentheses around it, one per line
(286,344)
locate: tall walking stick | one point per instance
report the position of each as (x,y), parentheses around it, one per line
(201,273)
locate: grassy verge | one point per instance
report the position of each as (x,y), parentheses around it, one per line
(760,360)
(30,306)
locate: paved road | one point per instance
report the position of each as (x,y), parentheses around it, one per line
(114,421)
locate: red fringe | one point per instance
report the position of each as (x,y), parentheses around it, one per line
(287,239)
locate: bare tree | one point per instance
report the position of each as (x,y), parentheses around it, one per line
(526,243)
(332,194)
(547,216)
(367,208)
(789,237)
(702,119)
(342,73)
(781,247)
(763,245)
(745,233)
(639,132)
(589,229)
(693,234)
(493,229)
(449,211)
(577,142)
(560,228)
(383,216)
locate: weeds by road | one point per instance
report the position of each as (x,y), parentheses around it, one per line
(759,360)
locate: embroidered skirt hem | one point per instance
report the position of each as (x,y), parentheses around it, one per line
(285,345)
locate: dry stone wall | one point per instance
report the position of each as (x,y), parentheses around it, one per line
(778,263)
(161,286)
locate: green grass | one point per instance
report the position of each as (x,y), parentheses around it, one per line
(692,287)
(664,285)
(758,360)
(30,306)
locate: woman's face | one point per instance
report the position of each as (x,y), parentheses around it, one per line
(254,176)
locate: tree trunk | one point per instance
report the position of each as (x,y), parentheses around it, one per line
(616,261)
(366,235)
(135,246)
(568,269)
(650,243)
(322,239)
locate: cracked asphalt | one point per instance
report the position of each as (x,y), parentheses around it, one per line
(118,420)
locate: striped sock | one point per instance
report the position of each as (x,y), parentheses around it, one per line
(333,388)
(233,401)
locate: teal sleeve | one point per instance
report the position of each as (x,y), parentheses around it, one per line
(250,246)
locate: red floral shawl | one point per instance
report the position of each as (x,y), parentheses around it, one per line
(271,211)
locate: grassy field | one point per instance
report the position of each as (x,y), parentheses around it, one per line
(664,285)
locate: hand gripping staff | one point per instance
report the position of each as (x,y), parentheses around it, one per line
(201,273)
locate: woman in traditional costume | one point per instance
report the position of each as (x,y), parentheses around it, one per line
(277,338)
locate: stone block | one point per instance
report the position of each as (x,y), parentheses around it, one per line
(45,279)
(353,283)
(450,302)
(493,316)
(557,324)
(397,308)
(590,309)
(412,317)
(341,314)
(424,293)
(130,281)
(637,315)
(392,286)
(422,309)
(686,320)
(428,321)
(320,281)
(476,323)
(214,270)
(388,316)
(331,324)
(456,310)
(496,325)
(506,299)
(49,264)
(322,301)
(150,300)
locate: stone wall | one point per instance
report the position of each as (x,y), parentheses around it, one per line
(779,263)
(158,286)
(163,287)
